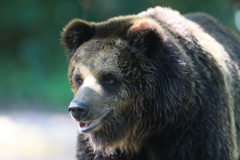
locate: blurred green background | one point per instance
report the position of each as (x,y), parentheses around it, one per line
(33,66)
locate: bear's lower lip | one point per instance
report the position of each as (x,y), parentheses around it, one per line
(87,126)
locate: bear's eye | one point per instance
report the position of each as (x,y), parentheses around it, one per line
(78,80)
(109,80)
(110,83)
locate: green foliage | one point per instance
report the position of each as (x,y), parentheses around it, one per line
(33,66)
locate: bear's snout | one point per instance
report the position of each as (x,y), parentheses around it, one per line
(78,110)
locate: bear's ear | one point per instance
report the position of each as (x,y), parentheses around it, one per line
(76,33)
(147,36)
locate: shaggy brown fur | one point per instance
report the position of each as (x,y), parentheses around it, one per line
(157,85)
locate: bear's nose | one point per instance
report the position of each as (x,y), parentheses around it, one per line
(78,110)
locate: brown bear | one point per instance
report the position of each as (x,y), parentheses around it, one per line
(155,86)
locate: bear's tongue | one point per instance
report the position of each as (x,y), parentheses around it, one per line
(83,125)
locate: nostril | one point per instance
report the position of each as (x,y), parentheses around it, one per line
(78,110)
(77,107)
(70,109)
(81,110)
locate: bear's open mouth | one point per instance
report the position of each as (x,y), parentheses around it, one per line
(86,126)
(92,125)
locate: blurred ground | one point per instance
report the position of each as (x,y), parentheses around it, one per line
(37,136)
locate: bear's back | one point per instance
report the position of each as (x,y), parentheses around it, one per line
(213,37)
(227,53)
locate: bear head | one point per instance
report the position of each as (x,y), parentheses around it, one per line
(129,79)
